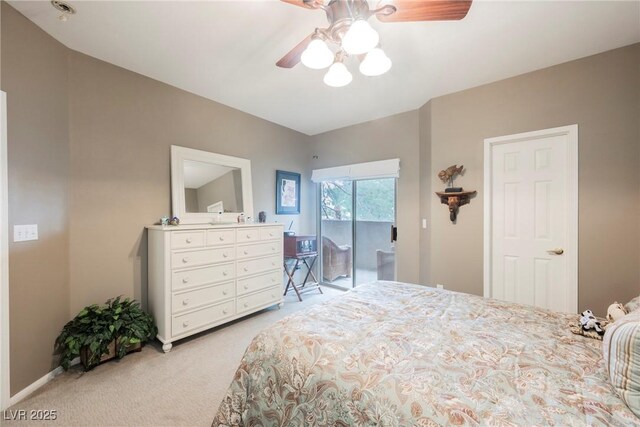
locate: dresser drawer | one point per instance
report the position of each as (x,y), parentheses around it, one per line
(270,233)
(256,283)
(255,266)
(187,239)
(202,276)
(259,299)
(248,234)
(187,300)
(259,249)
(221,237)
(184,259)
(196,319)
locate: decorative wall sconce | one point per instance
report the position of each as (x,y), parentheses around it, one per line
(453,196)
(455,200)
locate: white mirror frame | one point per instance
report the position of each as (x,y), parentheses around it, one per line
(178,156)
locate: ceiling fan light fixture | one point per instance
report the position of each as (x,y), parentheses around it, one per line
(375,63)
(360,38)
(317,55)
(338,75)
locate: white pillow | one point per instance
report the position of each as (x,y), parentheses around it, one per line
(633,305)
(621,349)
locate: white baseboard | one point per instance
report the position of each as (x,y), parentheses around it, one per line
(25,392)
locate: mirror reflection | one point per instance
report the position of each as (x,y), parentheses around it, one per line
(211,188)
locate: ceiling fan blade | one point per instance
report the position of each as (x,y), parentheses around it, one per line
(427,10)
(301,3)
(292,58)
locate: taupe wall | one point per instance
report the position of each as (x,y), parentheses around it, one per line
(426,193)
(601,94)
(226,188)
(34,75)
(89,162)
(122,126)
(387,138)
(191,200)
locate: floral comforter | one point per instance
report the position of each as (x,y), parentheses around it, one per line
(395,354)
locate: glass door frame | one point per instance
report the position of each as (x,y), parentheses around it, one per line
(354,213)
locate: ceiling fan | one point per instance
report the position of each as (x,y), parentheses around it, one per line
(350,32)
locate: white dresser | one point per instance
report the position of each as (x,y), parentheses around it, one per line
(201,276)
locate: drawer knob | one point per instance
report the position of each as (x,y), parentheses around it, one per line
(225,273)
(225,255)
(224,311)
(221,238)
(185,259)
(188,240)
(246,269)
(271,234)
(248,236)
(273,248)
(273,279)
(185,280)
(224,292)
(246,252)
(185,301)
(246,286)
(273,295)
(273,263)
(185,323)
(246,304)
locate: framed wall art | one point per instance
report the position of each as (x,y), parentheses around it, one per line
(287,193)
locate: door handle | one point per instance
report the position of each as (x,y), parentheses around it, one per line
(557,251)
(394,233)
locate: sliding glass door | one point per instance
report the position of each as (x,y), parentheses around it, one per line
(336,225)
(375,201)
(356,221)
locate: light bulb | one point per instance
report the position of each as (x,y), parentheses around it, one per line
(338,75)
(375,63)
(317,55)
(360,38)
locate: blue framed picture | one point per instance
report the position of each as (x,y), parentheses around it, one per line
(287,193)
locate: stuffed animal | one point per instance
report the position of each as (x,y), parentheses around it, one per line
(589,322)
(615,312)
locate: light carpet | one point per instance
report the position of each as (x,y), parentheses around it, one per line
(181,388)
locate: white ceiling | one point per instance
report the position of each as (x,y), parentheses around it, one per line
(226,51)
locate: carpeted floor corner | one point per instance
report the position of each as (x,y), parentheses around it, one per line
(150,388)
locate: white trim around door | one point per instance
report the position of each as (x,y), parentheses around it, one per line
(4,259)
(571,252)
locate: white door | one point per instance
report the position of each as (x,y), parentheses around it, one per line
(532,219)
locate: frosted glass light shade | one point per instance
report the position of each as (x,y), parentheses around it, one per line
(338,75)
(375,63)
(360,38)
(317,55)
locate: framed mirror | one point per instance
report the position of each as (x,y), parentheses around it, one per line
(209,187)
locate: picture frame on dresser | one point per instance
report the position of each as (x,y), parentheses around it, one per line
(287,193)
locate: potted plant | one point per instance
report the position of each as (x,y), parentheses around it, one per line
(102,332)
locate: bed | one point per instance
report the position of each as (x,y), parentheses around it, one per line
(397,354)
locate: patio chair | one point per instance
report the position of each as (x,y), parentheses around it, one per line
(336,260)
(386,264)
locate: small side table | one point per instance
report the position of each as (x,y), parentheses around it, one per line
(306,260)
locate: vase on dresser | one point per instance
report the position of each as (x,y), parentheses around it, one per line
(202,276)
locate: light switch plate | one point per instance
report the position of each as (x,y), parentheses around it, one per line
(24,233)
(424,223)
